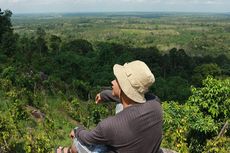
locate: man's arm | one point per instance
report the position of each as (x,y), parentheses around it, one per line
(106,96)
(94,136)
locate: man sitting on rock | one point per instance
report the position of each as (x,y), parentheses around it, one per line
(135,129)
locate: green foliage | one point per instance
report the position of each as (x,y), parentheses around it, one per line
(19,131)
(87,113)
(7,38)
(16,86)
(5,23)
(8,44)
(55,43)
(81,88)
(8,132)
(213,98)
(187,127)
(218,145)
(173,88)
(5,84)
(9,73)
(180,121)
(202,71)
(37,141)
(97,113)
(78,46)
(208,69)
(15,135)
(18,111)
(40,41)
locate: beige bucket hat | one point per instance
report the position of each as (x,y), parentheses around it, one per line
(134,78)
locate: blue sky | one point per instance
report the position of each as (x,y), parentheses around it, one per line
(43,6)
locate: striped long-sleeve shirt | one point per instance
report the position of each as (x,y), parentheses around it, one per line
(136,129)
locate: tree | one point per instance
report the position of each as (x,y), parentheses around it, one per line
(202,71)
(41,43)
(180,63)
(224,62)
(79,46)
(7,38)
(180,121)
(55,43)
(172,88)
(151,56)
(8,44)
(213,98)
(5,23)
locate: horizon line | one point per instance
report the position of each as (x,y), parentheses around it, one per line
(205,12)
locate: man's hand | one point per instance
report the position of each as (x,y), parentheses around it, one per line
(98,98)
(72,134)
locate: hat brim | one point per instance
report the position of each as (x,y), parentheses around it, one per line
(125,85)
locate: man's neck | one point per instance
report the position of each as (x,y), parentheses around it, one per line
(126,102)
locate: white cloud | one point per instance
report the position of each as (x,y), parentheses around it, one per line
(141,1)
(214,2)
(179,2)
(12,2)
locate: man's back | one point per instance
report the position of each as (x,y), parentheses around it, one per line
(136,129)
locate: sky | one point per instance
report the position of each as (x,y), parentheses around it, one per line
(57,6)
